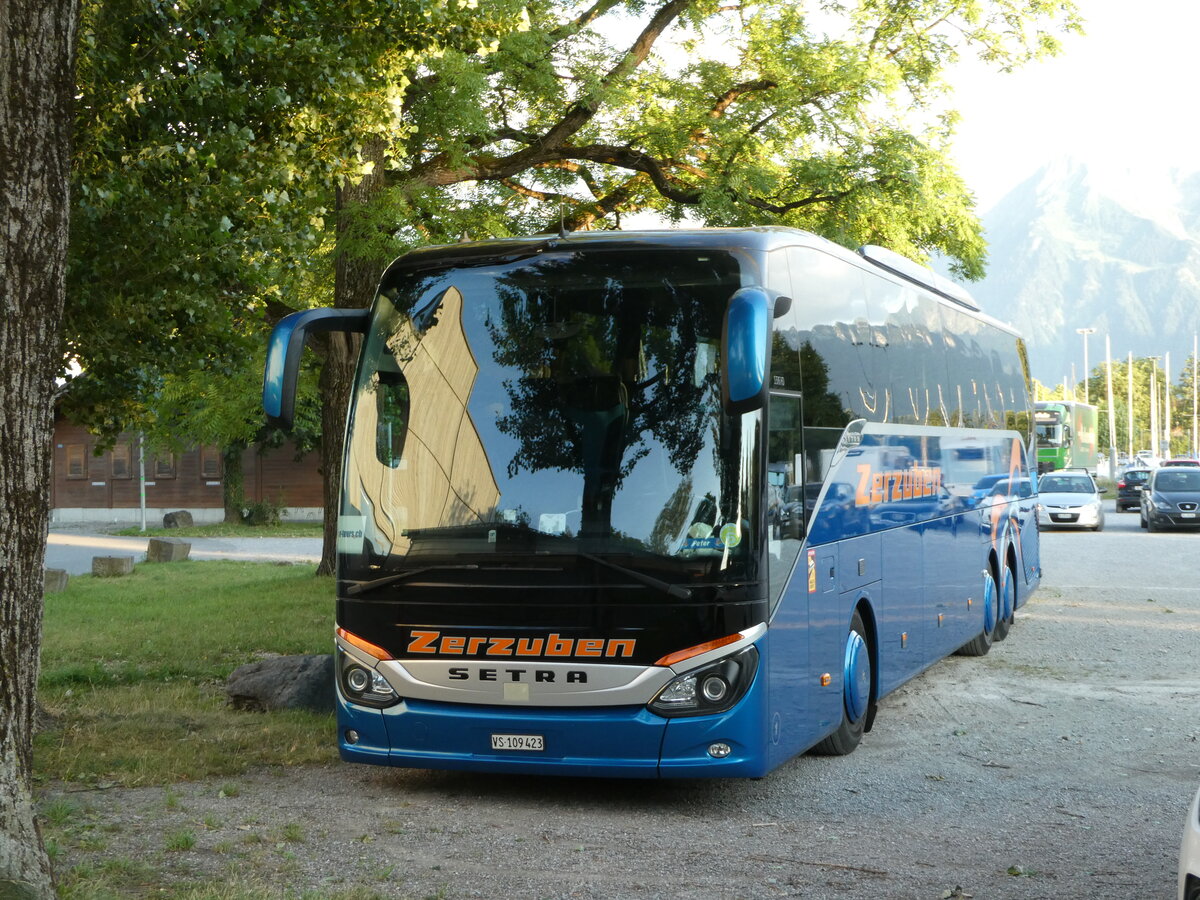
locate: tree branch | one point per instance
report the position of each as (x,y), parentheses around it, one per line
(583,110)
(587,215)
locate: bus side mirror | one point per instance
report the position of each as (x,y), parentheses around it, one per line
(744,350)
(283,355)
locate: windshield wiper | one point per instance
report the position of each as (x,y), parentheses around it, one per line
(674,590)
(363,586)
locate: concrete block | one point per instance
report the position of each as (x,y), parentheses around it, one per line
(167,550)
(56,580)
(112,566)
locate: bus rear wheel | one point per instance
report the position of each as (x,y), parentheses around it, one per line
(1006,604)
(982,642)
(857,694)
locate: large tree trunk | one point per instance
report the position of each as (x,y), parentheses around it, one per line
(37,52)
(356,277)
(233,483)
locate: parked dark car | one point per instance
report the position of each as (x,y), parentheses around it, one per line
(799,501)
(1129,488)
(1171,498)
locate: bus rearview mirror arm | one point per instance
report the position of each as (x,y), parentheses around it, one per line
(283,355)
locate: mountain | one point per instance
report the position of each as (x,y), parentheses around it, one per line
(1116,250)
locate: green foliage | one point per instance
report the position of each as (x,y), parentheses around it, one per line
(211,138)
(830,118)
(263,513)
(1145,371)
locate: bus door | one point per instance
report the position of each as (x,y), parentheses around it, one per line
(788,575)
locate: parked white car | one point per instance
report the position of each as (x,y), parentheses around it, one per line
(1147,458)
(1189,854)
(1069,498)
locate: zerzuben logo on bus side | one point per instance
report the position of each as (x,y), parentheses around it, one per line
(899,484)
(554,646)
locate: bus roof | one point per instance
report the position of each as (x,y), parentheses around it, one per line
(756,239)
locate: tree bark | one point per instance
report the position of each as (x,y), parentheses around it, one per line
(356,277)
(37,56)
(233,483)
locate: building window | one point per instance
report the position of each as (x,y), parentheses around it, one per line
(76,461)
(164,466)
(122,461)
(210,463)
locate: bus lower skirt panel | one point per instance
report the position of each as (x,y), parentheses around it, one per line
(613,742)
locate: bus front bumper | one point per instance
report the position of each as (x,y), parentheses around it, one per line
(609,742)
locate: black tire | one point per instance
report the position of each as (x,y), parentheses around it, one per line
(982,642)
(1099,527)
(1142,520)
(849,733)
(1151,525)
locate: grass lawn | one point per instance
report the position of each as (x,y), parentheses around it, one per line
(133,672)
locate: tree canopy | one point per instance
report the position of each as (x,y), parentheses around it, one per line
(828,117)
(211,136)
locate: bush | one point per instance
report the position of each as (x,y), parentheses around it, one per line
(264,513)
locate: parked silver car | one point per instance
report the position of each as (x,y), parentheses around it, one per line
(1069,498)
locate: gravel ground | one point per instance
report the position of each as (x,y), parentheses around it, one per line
(1058,766)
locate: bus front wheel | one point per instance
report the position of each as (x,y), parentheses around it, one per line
(857,680)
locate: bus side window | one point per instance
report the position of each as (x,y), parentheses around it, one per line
(391,424)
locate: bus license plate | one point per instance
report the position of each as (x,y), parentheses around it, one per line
(1187,515)
(518,742)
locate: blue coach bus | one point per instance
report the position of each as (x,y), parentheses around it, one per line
(664,504)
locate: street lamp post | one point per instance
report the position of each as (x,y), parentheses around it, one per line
(1154,405)
(1086,372)
(1129,401)
(1166,406)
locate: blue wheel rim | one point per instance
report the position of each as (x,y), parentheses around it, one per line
(857,676)
(1007,596)
(989,603)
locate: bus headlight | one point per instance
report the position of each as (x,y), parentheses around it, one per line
(364,685)
(709,689)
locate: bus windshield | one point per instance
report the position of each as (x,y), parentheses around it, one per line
(1049,434)
(511,413)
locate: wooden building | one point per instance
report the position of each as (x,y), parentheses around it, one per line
(86,487)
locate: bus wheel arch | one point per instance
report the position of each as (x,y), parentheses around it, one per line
(859,686)
(1006,595)
(1015,565)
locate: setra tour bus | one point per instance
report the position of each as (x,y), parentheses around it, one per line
(664,504)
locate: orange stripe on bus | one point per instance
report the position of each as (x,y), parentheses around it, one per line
(680,655)
(365,646)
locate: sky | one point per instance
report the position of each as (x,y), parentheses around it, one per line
(1121,97)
